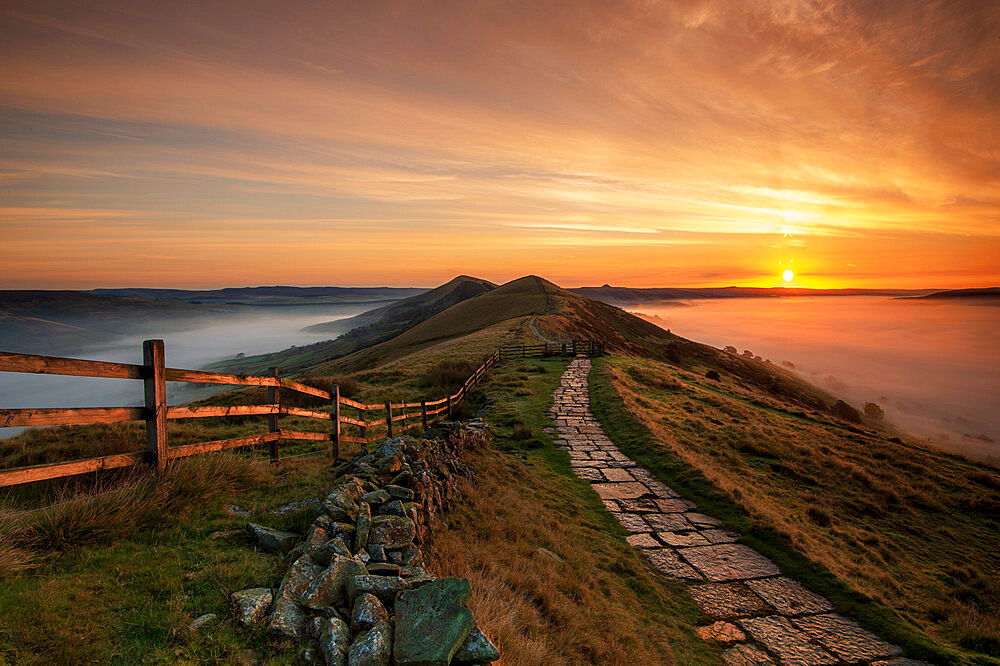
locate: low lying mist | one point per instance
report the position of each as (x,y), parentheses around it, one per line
(212,339)
(933,367)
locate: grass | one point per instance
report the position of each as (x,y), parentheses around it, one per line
(901,538)
(600,602)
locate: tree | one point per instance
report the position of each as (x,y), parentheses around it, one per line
(729,349)
(873,411)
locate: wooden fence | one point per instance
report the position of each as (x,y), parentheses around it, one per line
(389,419)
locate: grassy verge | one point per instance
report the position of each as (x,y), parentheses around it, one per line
(600,602)
(766,479)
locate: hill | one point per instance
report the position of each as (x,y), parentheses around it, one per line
(277,295)
(984,294)
(364,330)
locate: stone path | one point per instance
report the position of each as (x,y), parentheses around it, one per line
(762,616)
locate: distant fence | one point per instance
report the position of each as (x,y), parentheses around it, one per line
(394,418)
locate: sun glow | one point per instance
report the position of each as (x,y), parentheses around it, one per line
(787,275)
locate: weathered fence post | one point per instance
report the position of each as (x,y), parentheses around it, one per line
(388,418)
(449,407)
(574,346)
(362,430)
(155,389)
(423,413)
(272,419)
(335,417)
(564,349)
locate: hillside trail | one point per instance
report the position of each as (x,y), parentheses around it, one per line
(762,617)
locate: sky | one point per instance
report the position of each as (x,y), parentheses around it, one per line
(686,143)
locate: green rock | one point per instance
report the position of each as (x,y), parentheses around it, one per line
(252,605)
(432,622)
(271,540)
(327,589)
(399,492)
(363,526)
(373,647)
(477,649)
(383,587)
(376,497)
(334,639)
(392,531)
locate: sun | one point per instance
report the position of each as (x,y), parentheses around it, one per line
(787,275)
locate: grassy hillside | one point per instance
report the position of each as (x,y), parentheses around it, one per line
(361,331)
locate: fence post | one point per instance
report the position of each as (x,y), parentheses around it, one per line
(335,417)
(423,413)
(388,418)
(564,349)
(449,407)
(362,416)
(574,346)
(155,389)
(272,419)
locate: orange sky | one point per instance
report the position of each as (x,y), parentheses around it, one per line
(201,144)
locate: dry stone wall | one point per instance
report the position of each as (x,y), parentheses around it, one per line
(356,591)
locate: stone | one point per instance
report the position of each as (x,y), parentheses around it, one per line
(291,507)
(236,510)
(627,490)
(638,505)
(669,564)
(383,587)
(376,552)
(392,531)
(667,522)
(399,492)
(792,646)
(252,605)
(617,474)
(383,568)
(643,541)
(393,508)
(722,632)
(589,473)
(270,540)
(545,552)
(203,620)
(477,649)
(287,617)
(373,647)
(746,655)
(729,561)
(720,536)
(632,522)
(728,600)
(682,539)
(328,588)
(702,519)
(316,537)
(376,497)
(324,554)
(788,597)
(367,611)
(432,622)
(673,505)
(661,490)
(334,639)
(363,526)
(846,639)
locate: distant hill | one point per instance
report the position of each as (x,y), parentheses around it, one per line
(984,294)
(633,296)
(364,330)
(44,320)
(277,295)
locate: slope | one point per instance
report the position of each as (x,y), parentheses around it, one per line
(363,330)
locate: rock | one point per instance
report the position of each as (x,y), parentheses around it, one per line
(382,568)
(225,535)
(545,552)
(373,647)
(393,508)
(383,587)
(392,531)
(327,589)
(202,620)
(343,530)
(247,657)
(376,553)
(406,557)
(334,639)
(390,466)
(236,510)
(324,554)
(252,605)
(477,649)
(368,610)
(288,618)
(291,507)
(376,497)
(270,540)
(399,492)
(432,622)
(315,539)
(363,526)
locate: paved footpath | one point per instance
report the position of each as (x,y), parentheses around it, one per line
(761,616)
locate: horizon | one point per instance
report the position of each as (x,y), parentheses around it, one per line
(182,145)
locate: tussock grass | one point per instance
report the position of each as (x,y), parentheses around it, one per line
(915,530)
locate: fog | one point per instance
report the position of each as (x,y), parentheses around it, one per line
(933,366)
(216,339)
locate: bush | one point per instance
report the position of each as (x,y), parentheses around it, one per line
(842,410)
(713,375)
(873,411)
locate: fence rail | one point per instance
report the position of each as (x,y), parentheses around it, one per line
(393,418)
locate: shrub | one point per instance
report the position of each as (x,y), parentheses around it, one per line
(522,432)
(873,411)
(713,375)
(842,410)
